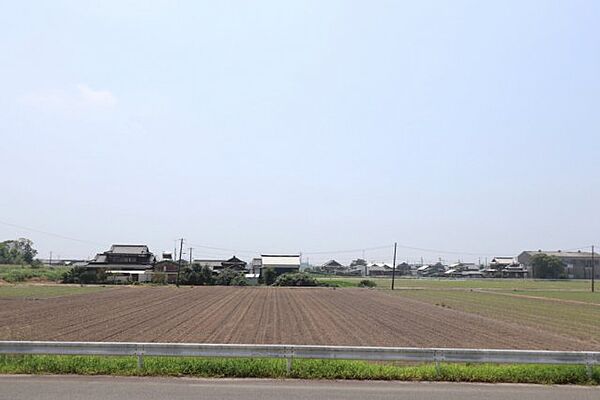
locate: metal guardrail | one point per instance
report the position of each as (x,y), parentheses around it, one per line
(289,352)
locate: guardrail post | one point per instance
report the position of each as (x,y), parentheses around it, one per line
(288,364)
(589,369)
(289,355)
(437,357)
(139,351)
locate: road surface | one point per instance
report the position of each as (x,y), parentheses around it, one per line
(26,387)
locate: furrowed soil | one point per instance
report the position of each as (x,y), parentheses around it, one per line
(265,315)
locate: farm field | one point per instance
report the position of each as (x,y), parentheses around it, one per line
(567,295)
(301,316)
(44,291)
(488,283)
(574,314)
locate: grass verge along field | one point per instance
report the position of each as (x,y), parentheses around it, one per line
(44,291)
(302,369)
(18,273)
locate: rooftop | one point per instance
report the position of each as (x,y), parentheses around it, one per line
(569,254)
(129,249)
(280,259)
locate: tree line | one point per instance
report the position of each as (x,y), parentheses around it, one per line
(18,252)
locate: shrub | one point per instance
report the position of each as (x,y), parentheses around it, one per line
(295,279)
(267,276)
(159,278)
(197,275)
(229,277)
(72,275)
(366,283)
(83,275)
(239,280)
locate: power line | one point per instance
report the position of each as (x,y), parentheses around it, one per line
(356,250)
(579,248)
(427,250)
(362,249)
(49,233)
(224,249)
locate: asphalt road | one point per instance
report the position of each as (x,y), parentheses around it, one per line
(17,387)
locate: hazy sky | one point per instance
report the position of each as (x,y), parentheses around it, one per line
(314,126)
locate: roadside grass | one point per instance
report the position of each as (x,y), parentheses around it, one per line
(580,321)
(25,291)
(302,369)
(22,273)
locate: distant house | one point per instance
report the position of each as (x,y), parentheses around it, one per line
(169,268)
(352,271)
(331,267)
(578,264)
(379,269)
(280,263)
(219,265)
(256,265)
(464,270)
(124,262)
(462,266)
(434,270)
(210,263)
(234,263)
(505,267)
(502,262)
(403,268)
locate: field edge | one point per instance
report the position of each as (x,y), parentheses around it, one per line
(302,369)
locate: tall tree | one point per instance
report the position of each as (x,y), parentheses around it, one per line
(358,262)
(547,267)
(18,251)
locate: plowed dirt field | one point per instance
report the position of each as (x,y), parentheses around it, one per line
(264,315)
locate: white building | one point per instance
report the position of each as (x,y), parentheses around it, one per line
(280,263)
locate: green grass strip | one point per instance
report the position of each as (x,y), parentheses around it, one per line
(302,369)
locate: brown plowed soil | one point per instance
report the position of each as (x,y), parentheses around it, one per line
(264,315)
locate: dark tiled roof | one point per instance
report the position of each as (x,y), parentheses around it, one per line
(129,249)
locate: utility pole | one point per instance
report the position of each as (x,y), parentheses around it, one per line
(50,260)
(593,269)
(179,265)
(394,266)
(191,249)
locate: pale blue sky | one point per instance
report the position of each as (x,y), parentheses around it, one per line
(465,126)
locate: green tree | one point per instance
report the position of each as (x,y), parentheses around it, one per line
(358,262)
(230,277)
(206,275)
(18,251)
(197,275)
(268,276)
(547,267)
(295,279)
